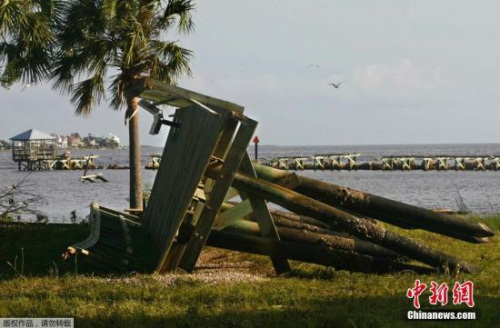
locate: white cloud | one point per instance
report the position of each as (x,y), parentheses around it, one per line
(400,80)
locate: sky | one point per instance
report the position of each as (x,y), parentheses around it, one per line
(411,72)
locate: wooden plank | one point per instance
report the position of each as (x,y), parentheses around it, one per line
(124,214)
(185,157)
(216,197)
(263,217)
(231,193)
(92,177)
(237,212)
(173,258)
(226,138)
(95,228)
(176,95)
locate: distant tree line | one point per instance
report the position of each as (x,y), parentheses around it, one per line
(5,144)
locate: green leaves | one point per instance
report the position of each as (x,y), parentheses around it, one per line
(26,28)
(75,43)
(119,36)
(178,12)
(86,93)
(172,61)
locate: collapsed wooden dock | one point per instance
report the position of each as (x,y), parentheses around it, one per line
(207,191)
(349,162)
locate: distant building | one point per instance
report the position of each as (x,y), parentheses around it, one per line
(110,141)
(74,141)
(114,139)
(62,141)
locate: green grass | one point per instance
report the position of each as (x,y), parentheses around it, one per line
(310,296)
(491,220)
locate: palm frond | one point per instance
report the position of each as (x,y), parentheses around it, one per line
(12,71)
(136,44)
(108,9)
(10,11)
(88,93)
(174,59)
(178,12)
(27,25)
(63,73)
(117,90)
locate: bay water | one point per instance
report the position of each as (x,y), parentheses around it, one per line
(478,191)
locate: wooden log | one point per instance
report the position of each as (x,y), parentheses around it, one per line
(344,243)
(377,207)
(280,219)
(230,213)
(363,229)
(340,260)
(286,223)
(298,218)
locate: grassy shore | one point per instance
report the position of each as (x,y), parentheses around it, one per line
(228,289)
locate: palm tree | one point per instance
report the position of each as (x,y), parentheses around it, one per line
(26,40)
(120,42)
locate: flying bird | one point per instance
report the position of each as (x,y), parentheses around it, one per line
(336,86)
(313,66)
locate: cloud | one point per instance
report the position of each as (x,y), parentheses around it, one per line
(396,84)
(398,81)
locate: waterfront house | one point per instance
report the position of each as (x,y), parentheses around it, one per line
(62,141)
(74,141)
(32,148)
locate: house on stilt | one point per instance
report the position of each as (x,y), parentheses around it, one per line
(32,149)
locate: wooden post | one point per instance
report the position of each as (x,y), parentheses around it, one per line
(264,219)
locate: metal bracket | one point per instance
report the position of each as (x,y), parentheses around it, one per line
(158,117)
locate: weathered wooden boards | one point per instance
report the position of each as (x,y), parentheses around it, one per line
(185,158)
(219,188)
(184,202)
(109,243)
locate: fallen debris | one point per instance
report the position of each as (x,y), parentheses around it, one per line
(205,165)
(93,177)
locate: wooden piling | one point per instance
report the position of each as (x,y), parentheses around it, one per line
(340,260)
(363,229)
(387,210)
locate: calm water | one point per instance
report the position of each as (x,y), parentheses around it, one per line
(479,190)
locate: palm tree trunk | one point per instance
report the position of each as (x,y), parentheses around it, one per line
(135,156)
